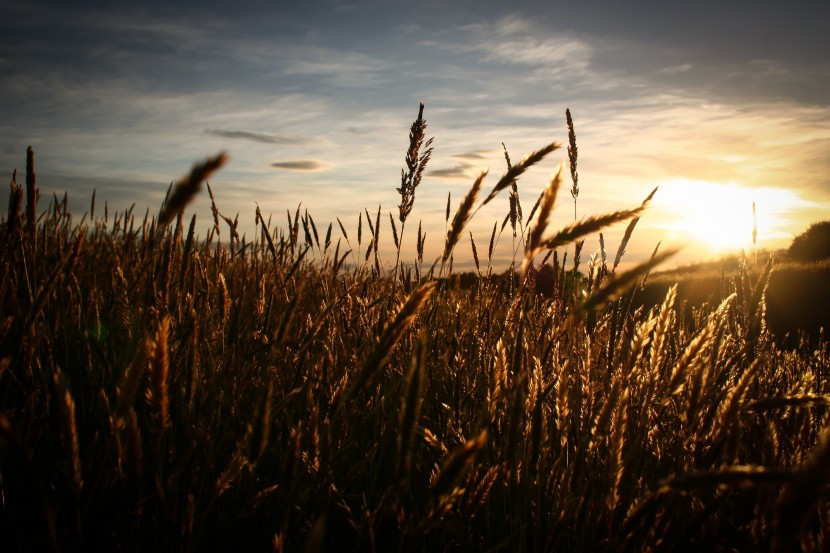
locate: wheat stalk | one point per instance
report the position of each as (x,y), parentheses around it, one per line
(614,287)
(411,408)
(629,230)
(456,465)
(461,218)
(517,170)
(31,198)
(416,163)
(188,187)
(390,337)
(572,157)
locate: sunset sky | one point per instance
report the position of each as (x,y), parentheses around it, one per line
(720,104)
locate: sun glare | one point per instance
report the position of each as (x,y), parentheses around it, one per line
(719,216)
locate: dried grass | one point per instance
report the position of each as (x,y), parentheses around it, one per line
(299,399)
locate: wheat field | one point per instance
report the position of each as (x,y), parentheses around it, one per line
(165,391)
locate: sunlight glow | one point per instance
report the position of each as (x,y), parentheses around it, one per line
(719,215)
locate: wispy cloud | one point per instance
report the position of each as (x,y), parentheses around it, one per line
(263,138)
(309,165)
(457,172)
(475,155)
(358,130)
(676,69)
(338,66)
(468,166)
(519,41)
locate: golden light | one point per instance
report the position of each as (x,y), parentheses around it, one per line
(719,216)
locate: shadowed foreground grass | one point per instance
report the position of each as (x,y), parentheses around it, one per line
(164,392)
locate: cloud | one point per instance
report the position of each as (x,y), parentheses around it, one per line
(357,130)
(263,138)
(474,155)
(457,172)
(518,41)
(467,168)
(676,69)
(349,69)
(311,165)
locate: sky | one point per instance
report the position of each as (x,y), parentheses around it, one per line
(719,104)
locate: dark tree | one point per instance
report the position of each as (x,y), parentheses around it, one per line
(813,244)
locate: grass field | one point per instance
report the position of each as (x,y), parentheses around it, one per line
(164,391)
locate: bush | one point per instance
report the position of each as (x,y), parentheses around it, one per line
(813,244)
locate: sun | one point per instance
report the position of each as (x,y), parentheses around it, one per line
(719,216)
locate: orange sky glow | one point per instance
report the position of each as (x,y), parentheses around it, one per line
(717,105)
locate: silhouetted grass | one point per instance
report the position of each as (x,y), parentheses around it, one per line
(161,391)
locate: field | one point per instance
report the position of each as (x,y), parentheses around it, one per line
(162,391)
(796,296)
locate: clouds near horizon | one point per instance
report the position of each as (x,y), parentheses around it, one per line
(263,138)
(310,165)
(717,92)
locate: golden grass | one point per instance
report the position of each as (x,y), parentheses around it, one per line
(297,394)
